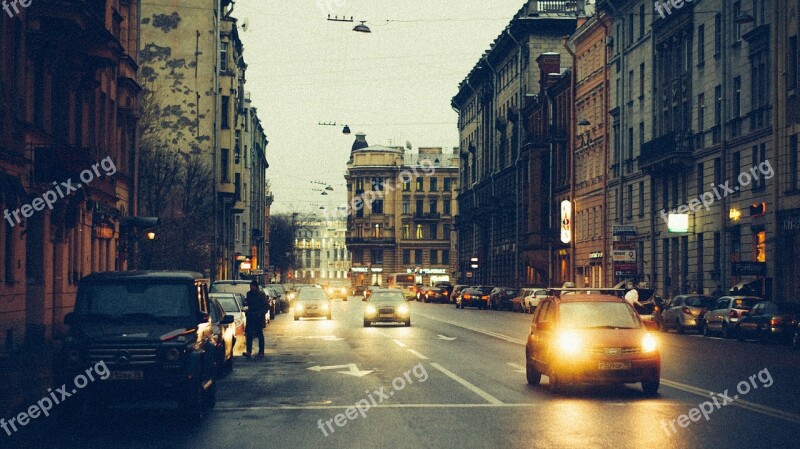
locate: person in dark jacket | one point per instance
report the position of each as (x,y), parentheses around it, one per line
(257,304)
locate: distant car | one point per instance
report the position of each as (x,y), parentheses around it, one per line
(231,306)
(456,291)
(432,294)
(312,302)
(531,300)
(685,312)
(446,287)
(500,298)
(338,291)
(240,286)
(769,321)
(359,290)
(224,335)
(281,298)
(726,313)
(474,297)
(387,305)
(580,338)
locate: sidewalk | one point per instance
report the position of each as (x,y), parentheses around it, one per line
(25,377)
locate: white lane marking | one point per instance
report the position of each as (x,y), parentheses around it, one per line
(399,343)
(417,354)
(753,407)
(222,408)
(445,337)
(352,369)
(769,411)
(516,367)
(489,398)
(480,331)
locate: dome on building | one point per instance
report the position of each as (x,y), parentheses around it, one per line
(360,142)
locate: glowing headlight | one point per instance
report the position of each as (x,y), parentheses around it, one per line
(173,355)
(649,343)
(402,310)
(370,310)
(298,307)
(569,342)
(324,306)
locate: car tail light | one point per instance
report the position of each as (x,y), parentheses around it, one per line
(733,314)
(686,310)
(775,321)
(486,297)
(466,296)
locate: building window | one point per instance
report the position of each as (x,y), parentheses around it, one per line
(418,256)
(793,162)
(641,198)
(406,186)
(223,56)
(377,231)
(446,231)
(406,257)
(377,207)
(701,112)
(717,34)
(420,207)
(358,256)
(700,175)
(761,246)
(377,184)
(701,44)
(791,77)
(434,235)
(377,256)
(737,97)
(446,206)
(225,112)
(224,155)
(445,256)
(418,234)
(736,165)
(434,206)
(641,21)
(434,257)
(759,157)
(641,80)
(406,206)
(447,184)
(434,185)
(420,184)
(630,85)
(717,112)
(630,201)
(406,231)
(737,28)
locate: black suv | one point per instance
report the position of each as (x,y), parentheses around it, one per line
(153,332)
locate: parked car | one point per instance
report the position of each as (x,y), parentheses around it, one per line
(456,291)
(153,331)
(281,299)
(312,302)
(242,287)
(590,338)
(474,297)
(387,305)
(433,294)
(446,287)
(769,321)
(518,303)
(726,313)
(224,335)
(685,312)
(230,305)
(500,298)
(531,301)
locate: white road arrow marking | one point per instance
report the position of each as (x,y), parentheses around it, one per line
(445,337)
(352,369)
(516,367)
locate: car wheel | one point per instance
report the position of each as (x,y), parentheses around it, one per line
(706,331)
(726,331)
(679,326)
(367,323)
(533,376)
(650,387)
(408,323)
(193,405)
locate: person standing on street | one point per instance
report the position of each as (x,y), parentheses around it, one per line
(257,305)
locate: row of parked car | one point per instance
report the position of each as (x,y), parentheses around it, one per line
(741,317)
(482,296)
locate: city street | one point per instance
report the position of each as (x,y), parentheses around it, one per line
(455,379)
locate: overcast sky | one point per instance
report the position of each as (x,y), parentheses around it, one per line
(394,84)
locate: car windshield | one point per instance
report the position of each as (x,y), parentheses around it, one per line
(278,288)
(311,294)
(242,287)
(162,300)
(698,301)
(587,315)
(387,296)
(228,304)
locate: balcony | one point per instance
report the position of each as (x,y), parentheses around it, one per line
(369,240)
(429,216)
(665,152)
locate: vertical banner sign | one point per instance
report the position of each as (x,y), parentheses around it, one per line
(566,225)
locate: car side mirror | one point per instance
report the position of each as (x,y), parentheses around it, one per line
(227,319)
(544,325)
(245,308)
(70,319)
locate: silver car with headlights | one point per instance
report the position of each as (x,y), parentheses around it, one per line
(387,306)
(311,302)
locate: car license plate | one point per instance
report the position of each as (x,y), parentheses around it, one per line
(126,375)
(613,365)
(387,315)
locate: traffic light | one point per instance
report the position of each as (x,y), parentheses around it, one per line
(473,263)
